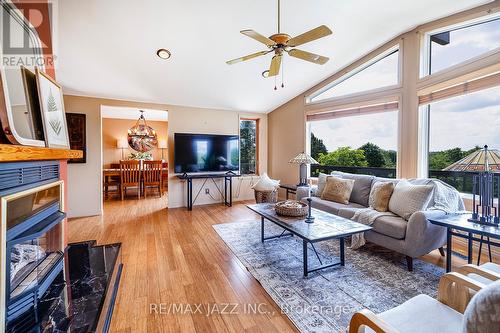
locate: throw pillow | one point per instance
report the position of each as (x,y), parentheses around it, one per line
(380,195)
(338,189)
(407,198)
(482,314)
(321,183)
(266,184)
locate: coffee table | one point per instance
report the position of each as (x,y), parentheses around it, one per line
(326,226)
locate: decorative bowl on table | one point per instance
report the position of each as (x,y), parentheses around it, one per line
(291,208)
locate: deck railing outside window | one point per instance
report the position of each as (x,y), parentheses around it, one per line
(461,180)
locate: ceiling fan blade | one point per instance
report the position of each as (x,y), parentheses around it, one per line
(308,56)
(258,37)
(274,69)
(309,36)
(247,57)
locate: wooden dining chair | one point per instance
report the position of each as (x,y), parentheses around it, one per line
(130,176)
(152,175)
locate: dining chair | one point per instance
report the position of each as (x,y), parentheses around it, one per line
(130,176)
(152,175)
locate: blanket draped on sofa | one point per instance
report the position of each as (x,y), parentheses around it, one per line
(444,197)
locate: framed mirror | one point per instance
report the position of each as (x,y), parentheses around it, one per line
(21,51)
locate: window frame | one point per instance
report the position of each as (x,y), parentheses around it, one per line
(376,58)
(257,144)
(360,111)
(412,85)
(425,54)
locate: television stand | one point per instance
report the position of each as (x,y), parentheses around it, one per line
(228,185)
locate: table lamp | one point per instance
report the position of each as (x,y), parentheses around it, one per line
(122,143)
(162,144)
(303,159)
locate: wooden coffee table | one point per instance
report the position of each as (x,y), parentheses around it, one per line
(326,226)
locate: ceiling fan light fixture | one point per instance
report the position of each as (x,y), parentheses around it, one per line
(163,54)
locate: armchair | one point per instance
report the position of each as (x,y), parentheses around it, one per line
(425,314)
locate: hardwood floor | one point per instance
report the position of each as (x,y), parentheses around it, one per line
(175,257)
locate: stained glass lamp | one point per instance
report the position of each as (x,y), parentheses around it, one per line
(142,137)
(303,159)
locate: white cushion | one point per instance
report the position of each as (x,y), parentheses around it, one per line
(266,184)
(422,314)
(407,198)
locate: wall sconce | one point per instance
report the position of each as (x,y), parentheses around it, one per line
(122,143)
(162,144)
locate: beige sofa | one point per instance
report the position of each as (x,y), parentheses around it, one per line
(413,237)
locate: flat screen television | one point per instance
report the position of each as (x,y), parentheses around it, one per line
(206,153)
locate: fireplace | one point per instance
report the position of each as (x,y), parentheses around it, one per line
(32,239)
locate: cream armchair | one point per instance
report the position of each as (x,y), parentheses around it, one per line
(426,314)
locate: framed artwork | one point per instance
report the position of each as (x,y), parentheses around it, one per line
(32,103)
(77,135)
(53,115)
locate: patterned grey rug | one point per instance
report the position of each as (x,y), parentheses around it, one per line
(372,278)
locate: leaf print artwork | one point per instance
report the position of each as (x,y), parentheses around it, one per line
(51,103)
(56,125)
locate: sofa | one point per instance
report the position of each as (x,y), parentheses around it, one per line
(413,237)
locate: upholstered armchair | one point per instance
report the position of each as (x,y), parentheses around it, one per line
(460,303)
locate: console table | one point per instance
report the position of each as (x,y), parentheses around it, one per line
(228,185)
(460,222)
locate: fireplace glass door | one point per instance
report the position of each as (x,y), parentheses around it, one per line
(32,221)
(31,260)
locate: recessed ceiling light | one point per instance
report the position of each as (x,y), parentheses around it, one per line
(163,53)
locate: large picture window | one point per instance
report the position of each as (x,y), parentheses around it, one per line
(381,72)
(358,144)
(458,127)
(451,47)
(249,146)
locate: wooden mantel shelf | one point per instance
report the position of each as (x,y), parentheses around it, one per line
(14,153)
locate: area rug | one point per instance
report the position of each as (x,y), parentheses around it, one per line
(372,278)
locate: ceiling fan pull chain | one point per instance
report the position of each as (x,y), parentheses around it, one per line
(275,88)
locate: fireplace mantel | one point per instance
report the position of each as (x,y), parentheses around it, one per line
(15,153)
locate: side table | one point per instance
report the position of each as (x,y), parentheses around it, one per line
(459,222)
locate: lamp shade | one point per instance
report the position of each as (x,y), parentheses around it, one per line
(481,160)
(303,158)
(122,143)
(162,144)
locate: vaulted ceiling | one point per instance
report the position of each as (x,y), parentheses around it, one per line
(107,48)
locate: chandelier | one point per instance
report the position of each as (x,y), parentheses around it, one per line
(142,137)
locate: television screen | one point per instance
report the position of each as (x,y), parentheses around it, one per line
(206,153)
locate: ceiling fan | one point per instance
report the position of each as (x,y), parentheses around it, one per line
(281,42)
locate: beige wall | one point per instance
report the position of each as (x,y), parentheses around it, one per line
(113,129)
(85,195)
(286,140)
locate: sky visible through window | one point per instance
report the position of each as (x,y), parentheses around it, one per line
(466,121)
(380,129)
(465,43)
(382,73)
